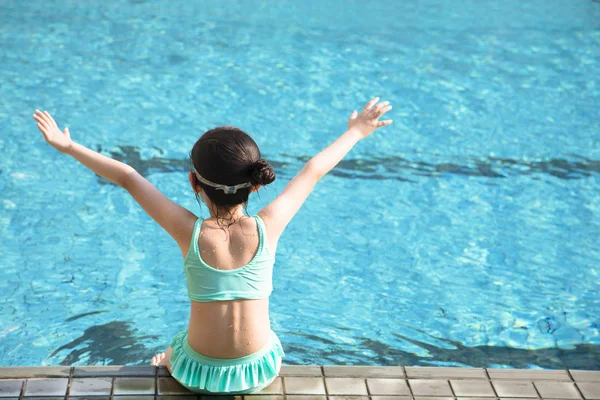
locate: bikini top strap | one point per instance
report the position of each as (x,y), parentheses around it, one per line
(195,234)
(261,232)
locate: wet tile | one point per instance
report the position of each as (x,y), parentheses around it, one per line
(557,390)
(46,387)
(300,370)
(590,390)
(348,371)
(514,389)
(171,386)
(90,386)
(114,371)
(445,372)
(390,386)
(215,397)
(472,387)
(350,386)
(430,387)
(163,371)
(82,398)
(140,397)
(11,387)
(581,375)
(303,385)
(34,372)
(134,386)
(528,374)
(274,388)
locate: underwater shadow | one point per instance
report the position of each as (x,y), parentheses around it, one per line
(112,343)
(380,168)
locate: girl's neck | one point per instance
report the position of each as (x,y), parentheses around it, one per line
(232,215)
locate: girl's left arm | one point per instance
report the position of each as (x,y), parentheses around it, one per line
(176,220)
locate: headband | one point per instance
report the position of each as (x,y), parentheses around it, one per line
(227,189)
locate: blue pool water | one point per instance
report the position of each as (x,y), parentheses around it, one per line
(465,234)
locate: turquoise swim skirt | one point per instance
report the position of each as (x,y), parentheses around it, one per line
(243,375)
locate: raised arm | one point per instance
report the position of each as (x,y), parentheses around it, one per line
(280,211)
(176,220)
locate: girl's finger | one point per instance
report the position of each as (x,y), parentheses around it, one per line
(384,110)
(41,116)
(39,119)
(371,103)
(384,123)
(382,104)
(51,119)
(43,131)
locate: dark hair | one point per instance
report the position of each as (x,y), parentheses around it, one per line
(228,156)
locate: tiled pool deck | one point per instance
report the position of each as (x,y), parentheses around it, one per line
(307,383)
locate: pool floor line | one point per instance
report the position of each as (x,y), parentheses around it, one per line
(308,382)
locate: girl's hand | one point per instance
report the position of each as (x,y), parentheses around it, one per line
(57,139)
(366,122)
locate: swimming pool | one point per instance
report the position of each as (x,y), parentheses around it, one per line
(465,234)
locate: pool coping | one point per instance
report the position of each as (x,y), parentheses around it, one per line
(307,382)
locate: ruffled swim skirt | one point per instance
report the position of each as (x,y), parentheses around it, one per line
(243,375)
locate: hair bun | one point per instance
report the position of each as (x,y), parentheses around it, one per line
(262,173)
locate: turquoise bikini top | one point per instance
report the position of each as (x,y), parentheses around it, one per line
(252,281)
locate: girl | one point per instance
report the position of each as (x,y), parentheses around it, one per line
(228,346)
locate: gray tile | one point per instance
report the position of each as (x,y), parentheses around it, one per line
(134,386)
(300,370)
(172,397)
(581,375)
(261,397)
(388,386)
(472,387)
(529,374)
(348,371)
(445,372)
(82,398)
(351,386)
(478,398)
(303,385)
(34,372)
(590,390)
(274,388)
(140,397)
(434,398)
(114,371)
(430,387)
(391,398)
(44,398)
(11,387)
(342,397)
(514,389)
(171,386)
(46,387)
(557,390)
(90,386)
(216,397)
(313,397)
(163,371)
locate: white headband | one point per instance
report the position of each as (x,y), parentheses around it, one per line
(227,189)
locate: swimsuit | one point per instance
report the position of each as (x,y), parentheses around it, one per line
(243,375)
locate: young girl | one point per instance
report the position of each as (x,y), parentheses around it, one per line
(228,346)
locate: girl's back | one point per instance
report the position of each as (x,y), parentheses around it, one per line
(230,328)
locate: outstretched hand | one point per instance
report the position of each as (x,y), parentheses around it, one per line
(367,121)
(61,141)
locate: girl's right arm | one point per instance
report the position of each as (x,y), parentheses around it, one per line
(280,211)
